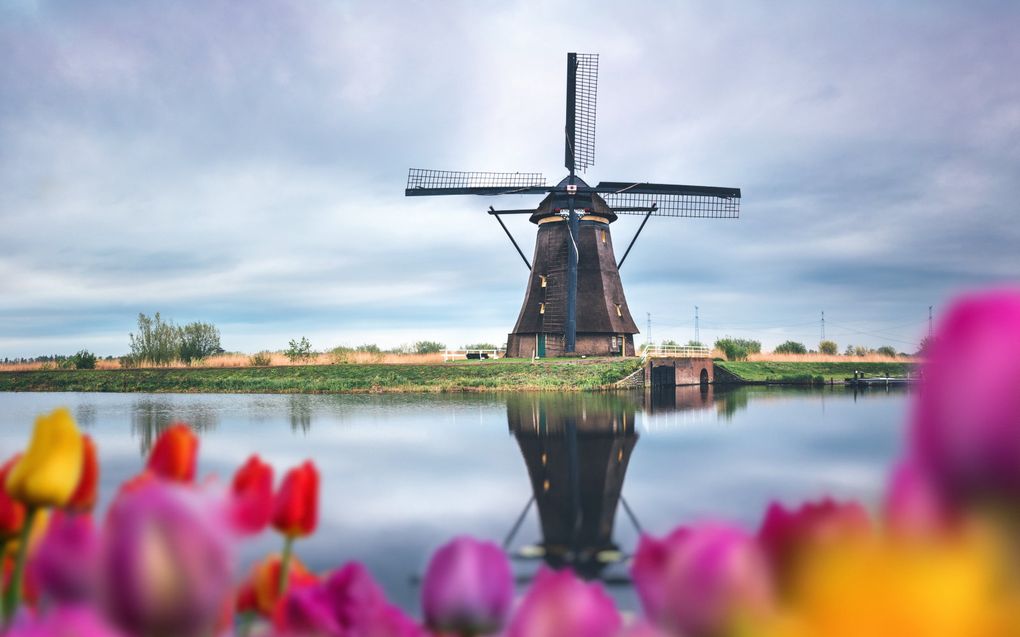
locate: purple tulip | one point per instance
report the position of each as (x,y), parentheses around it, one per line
(560,605)
(966,424)
(166,564)
(65,564)
(695,579)
(912,505)
(468,588)
(644,629)
(348,602)
(64,621)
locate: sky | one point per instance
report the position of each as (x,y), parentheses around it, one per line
(243,163)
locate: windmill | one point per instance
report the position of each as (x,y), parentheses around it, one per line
(575,302)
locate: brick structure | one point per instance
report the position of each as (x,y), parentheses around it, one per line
(667,371)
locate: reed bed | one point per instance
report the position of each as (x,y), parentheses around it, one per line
(232,360)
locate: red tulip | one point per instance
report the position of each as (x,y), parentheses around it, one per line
(84,496)
(265,582)
(252,491)
(12,512)
(174,455)
(295,510)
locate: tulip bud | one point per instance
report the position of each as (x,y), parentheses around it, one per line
(698,580)
(84,497)
(175,454)
(468,588)
(295,510)
(48,472)
(252,491)
(561,605)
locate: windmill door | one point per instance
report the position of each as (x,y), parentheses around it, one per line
(541,345)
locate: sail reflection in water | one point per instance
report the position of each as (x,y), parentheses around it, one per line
(576,449)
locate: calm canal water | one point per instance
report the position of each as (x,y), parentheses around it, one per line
(581,473)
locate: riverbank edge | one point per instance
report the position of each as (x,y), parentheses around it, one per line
(807,373)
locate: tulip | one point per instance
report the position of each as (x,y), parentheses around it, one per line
(165,564)
(265,582)
(65,563)
(175,454)
(786,536)
(48,472)
(965,423)
(252,490)
(84,497)
(644,629)
(560,605)
(912,506)
(698,581)
(348,602)
(67,621)
(12,512)
(295,510)
(468,588)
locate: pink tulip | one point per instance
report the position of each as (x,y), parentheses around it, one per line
(966,422)
(560,605)
(65,564)
(912,505)
(644,629)
(348,602)
(64,621)
(468,588)
(166,565)
(694,580)
(786,535)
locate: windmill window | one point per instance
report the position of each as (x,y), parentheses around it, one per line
(541,308)
(603,236)
(541,277)
(619,311)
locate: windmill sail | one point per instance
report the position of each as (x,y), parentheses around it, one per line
(669,200)
(582,91)
(422,182)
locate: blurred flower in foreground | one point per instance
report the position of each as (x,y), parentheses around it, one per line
(84,496)
(265,581)
(48,472)
(175,454)
(69,621)
(558,604)
(468,588)
(967,416)
(912,507)
(700,579)
(65,563)
(347,602)
(295,510)
(166,566)
(12,512)
(252,496)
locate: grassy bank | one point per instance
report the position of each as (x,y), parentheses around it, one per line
(568,375)
(806,372)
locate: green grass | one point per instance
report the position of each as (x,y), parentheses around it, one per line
(808,373)
(567,375)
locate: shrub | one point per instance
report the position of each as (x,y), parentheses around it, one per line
(197,341)
(341,354)
(83,360)
(791,347)
(828,347)
(693,343)
(299,350)
(157,341)
(670,343)
(480,346)
(428,347)
(887,350)
(261,359)
(369,348)
(737,349)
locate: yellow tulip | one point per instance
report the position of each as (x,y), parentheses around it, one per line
(48,472)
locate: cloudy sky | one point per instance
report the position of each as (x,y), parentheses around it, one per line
(244,163)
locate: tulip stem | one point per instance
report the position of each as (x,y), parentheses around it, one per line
(288,547)
(12,596)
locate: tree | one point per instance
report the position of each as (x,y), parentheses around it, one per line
(157,341)
(887,350)
(791,347)
(925,346)
(83,360)
(299,350)
(197,341)
(737,349)
(428,347)
(828,347)
(693,343)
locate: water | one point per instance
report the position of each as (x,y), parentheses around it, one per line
(401,474)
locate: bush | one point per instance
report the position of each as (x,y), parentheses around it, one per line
(737,349)
(481,346)
(299,350)
(887,350)
(828,347)
(369,348)
(791,347)
(197,341)
(693,343)
(428,347)
(341,354)
(157,341)
(261,359)
(83,360)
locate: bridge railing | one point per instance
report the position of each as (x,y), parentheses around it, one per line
(677,351)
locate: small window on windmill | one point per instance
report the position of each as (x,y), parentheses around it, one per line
(603,236)
(541,277)
(541,308)
(619,311)
(614,345)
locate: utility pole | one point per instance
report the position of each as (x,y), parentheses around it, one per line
(929,322)
(823,325)
(697,331)
(649,342)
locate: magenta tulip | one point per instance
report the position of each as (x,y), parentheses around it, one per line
(560,605)
(966,422)
(644,629)
(65,564)
(166,566)
(696,579)
(913,507)
(64,621)
(468,588)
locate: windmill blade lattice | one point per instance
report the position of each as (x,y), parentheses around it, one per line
(422,181)
(668,200)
